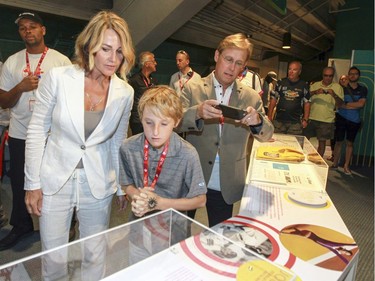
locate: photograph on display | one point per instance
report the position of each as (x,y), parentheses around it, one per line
(282,154)
(248,237)
(321,246)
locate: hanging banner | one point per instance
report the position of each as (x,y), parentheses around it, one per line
(278,5)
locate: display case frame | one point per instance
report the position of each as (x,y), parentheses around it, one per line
(164,246)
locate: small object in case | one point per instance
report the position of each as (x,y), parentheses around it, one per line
(231,112)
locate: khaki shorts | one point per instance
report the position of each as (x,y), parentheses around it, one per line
(320,130)
(285,127)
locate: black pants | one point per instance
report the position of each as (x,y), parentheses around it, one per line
(217,209)
(20,217)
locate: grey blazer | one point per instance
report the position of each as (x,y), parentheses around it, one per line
(204,134)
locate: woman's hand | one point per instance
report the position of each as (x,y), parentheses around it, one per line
(33,201)
(122,202)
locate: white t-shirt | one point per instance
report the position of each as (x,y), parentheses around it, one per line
(178,80)
(248,80)
(4,113)
(12,73)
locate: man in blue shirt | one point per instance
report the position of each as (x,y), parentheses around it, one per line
(348,120)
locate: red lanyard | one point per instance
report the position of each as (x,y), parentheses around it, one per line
(160,164)
(37,70)
(183,84)
(146,82)
(242,75)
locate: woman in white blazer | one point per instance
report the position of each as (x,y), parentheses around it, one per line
(79,121)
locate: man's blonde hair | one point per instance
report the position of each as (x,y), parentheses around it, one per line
(238,40)
(162,101)
(90,40)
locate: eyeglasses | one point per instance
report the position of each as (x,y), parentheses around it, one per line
(354,73)
(229,61)
(328,75)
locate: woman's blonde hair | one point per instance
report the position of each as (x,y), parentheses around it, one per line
(238,40)
(90,40)
(162,101)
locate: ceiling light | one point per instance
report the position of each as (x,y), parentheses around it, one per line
(287,39)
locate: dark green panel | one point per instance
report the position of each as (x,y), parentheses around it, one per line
(354,28)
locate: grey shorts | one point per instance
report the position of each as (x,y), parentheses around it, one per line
(320,130)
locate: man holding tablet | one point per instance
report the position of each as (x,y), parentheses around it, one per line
(221,142)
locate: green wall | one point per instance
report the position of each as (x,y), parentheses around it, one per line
(200,59)
(355,41)
(354,28)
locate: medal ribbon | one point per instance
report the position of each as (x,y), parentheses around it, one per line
(159,167)
(37,70)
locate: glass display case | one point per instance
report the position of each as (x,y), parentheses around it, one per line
(288,160)
(164,246)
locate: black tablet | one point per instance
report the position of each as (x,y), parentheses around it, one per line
(231,112)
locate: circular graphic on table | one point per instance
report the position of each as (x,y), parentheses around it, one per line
(262,270)
(321,246)
(308,198)
(224,248)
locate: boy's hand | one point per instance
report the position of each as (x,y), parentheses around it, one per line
(144,202)
(139,205)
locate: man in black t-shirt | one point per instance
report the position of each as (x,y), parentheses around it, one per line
(140,82)
(291,102)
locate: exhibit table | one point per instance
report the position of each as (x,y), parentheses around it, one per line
(287,229)
(291,218)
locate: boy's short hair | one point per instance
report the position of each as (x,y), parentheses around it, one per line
(163,101)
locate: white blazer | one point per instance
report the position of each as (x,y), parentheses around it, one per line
(59,109)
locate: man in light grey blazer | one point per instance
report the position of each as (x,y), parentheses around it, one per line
(221,142)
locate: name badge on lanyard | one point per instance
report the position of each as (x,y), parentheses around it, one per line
(32,103)
(38,71)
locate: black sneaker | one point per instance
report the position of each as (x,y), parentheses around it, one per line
(13,237)
(3,221)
